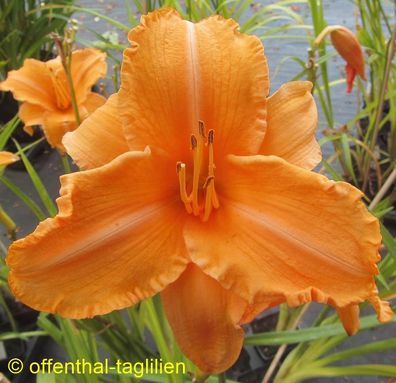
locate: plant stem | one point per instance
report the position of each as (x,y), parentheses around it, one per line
(311,68)
(283,317)
(67,67)
(8,312)
(385,187)
(159,337)
(282,349)
(7,221)
(378,117)
(66,59)
(65,163)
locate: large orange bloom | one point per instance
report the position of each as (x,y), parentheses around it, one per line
(43,88)
(152,213)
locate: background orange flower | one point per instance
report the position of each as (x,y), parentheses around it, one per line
(44,91)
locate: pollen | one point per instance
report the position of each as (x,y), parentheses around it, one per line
(201,147)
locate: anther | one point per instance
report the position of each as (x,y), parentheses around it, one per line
(207,182)
(209,187)
(198,145)
(201,143)
(211,136)
(194,142)
(201,128)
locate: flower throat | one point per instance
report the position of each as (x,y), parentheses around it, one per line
(61,89)
(200,146)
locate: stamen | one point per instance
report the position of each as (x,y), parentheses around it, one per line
(193,142)
(211,136)
(181,171)
(201,128)
(199,143)
(209,185)
(61,90)
(215,200)
(211,168)
(211,165)
(207,182)
(198,147)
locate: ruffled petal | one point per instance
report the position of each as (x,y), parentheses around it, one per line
(56,124)
(291,125)
(87,66)
(204,318)
(31,114)
(92,102)
(7,158)
(232,99)
(31,83)
(171,80)
(254,309)
(116,240)
(285,234)
(99,139)
(349,316)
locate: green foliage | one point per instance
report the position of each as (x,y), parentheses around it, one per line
(24,29)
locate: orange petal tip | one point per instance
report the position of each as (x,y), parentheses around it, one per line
(7,158)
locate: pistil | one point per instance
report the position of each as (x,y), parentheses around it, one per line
(181,170)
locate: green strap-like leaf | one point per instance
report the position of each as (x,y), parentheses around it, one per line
(303,335)
(389,241)
(38,184)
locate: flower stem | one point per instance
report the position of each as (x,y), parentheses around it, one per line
(380,105)
(66,163)
(65,53)
(67,67)
(311,67)
(7,221)
(282,349)
(159,336)
(385,187)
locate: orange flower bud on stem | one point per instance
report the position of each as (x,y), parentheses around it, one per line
(349,48)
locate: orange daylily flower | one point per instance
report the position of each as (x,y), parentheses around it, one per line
(45,93)
(7,158)
(200,187)
(349,48)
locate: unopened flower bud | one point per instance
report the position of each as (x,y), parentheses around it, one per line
(349,48)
